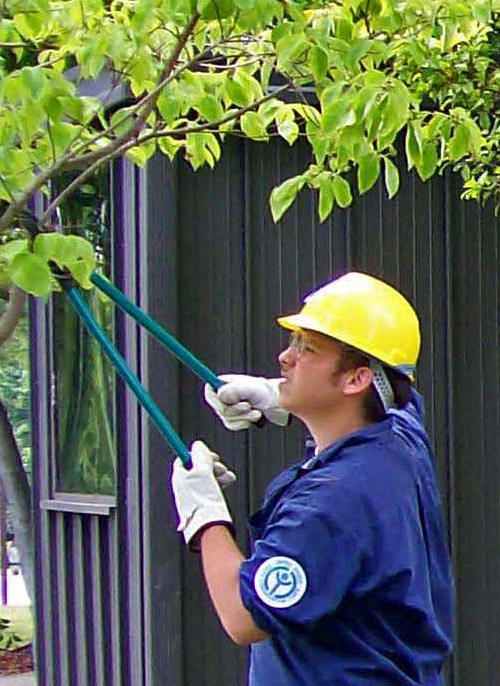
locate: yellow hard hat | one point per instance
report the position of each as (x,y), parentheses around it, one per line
(367,314)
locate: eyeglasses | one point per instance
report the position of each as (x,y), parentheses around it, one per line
(298,342)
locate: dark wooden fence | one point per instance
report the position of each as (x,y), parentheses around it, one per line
(119,601)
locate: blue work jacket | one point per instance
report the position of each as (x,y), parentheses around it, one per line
(349,571)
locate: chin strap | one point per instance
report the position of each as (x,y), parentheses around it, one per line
(382,385)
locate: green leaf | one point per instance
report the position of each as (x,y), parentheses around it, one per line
(141,16)
(63,134)
(169,146)
(357,50)
(52,106)
(202,148)
(319,143)
(249,84)
(12,88)
(169,105)
(391,177)
(280,31)
(29,24)
(318,62)
(289,49)
(121,120)
(429,161)
(215,9)
(459,143)
(482,11)
(326,199)
(320,147)
(17,167)
(368,172)
(32,274)
(33,79)
(64,250)
(141,72)
(288,130)
(81,272)
(237,94)
(341,191)
(331,94)
(413,144)
(373,121)
(268,110)
(337,115)
(343,28)
(365,100)
(475,136)
(252,126)
(140,154)
(191,88)
(435,125)
(449,30)
(210,108)
(265,75)
(9,250)
(283,196)
(399,98)
(51,246)
(212,144)
(75,107)
(375,77)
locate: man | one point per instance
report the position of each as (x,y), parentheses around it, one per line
(348,582)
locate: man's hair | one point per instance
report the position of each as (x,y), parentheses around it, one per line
(373,410)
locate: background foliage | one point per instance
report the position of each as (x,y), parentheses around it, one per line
(353,77)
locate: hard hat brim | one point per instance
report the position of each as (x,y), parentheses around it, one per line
(294,322)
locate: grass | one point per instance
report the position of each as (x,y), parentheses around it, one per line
(21,621)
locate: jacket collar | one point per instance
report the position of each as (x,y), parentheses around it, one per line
(358,437)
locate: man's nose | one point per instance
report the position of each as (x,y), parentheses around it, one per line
(287,357)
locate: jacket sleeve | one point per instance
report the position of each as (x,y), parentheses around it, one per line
(304,563)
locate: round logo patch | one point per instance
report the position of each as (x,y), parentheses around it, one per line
(280,582)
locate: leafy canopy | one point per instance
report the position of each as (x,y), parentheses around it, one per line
(196,71)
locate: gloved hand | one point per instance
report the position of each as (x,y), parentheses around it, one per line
(197,493)
(243,400)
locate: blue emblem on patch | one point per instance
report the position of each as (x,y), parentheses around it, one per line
(280,582)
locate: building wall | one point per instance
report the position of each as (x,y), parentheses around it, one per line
(120,601)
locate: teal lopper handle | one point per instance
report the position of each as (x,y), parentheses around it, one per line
(171,343)
(119,363)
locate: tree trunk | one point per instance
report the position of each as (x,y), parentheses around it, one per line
(13,313)
(18,494)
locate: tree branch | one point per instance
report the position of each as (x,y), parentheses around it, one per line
(149,103)
(150,136)
(108,151)
(75,162)
(32,188)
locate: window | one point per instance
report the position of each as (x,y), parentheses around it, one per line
(84,382)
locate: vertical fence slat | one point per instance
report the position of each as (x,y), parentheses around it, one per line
(80,608)
(99,602)
(64,617)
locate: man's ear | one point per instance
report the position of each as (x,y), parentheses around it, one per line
(357,380)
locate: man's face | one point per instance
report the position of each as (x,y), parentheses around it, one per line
(313,384)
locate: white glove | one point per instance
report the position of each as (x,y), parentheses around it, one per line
(243,399)
(197,493)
